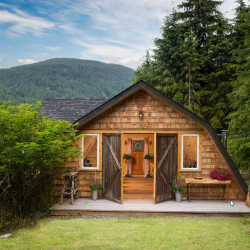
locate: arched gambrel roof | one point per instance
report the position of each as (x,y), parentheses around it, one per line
(178,107)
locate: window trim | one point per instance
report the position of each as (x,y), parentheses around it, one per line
(97,162)
(198,152)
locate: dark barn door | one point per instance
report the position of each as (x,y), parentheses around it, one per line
(166,165)
(111,167)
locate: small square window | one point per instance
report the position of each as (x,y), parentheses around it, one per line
(137,145)
(90,146)
(190,152)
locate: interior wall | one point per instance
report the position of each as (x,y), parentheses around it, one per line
(189,151)
(90,151)
(126,148)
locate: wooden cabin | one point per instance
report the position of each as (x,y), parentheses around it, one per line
(142,120)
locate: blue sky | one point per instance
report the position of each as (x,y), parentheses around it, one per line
(111,31)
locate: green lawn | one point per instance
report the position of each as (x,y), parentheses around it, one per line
(134,233)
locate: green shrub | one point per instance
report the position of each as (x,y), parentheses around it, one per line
(32,148)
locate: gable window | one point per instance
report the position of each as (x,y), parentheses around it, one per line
(90,147)
(190,152)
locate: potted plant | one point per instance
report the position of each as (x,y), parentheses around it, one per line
(127,156)
(148,156)
(68,171)
(178,186)
(95,185)
(221,174)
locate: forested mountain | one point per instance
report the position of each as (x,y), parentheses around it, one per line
(62,77)
(202,61)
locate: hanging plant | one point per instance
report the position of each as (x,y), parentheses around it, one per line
(148,156)
(221,174)
(127,156)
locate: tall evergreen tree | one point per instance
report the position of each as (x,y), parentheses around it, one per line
(163,69)
(202,16)
(190,67)
(187,64)
(239,126)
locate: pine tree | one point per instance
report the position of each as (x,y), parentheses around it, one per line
(192,63)
(202,16)
(239,126)
(190,66)
(163,69)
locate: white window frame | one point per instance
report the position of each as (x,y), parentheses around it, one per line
(97,163)
(198,153)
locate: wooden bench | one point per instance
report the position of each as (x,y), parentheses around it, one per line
(190,181)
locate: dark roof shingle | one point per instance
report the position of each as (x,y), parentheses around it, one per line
(70,109)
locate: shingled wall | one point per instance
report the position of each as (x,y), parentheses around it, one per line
(158,116)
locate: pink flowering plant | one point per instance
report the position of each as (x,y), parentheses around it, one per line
(178,185)
(95,183)
(221,174)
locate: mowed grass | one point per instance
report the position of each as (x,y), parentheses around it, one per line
(134,233)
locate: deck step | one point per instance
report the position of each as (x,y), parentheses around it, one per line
(138,187)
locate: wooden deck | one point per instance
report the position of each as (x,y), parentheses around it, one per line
(87,206)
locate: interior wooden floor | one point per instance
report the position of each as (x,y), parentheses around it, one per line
(138,187)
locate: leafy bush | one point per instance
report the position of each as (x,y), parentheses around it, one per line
(32,147)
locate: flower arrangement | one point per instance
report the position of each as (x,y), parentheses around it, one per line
(148,156)
(95,183)
(127,156)
(178,185)
(221,174)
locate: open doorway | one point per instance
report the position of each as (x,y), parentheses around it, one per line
(138,186)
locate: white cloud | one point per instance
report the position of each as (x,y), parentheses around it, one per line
(70,28)
(22,23)
(50,48)
(118,31)
(127,27)
(112,31)
(0,59)
(132,63)
(26,61)
(53,48)
(127,56)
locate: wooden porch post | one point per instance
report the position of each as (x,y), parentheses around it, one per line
(122,164)
(154,168)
